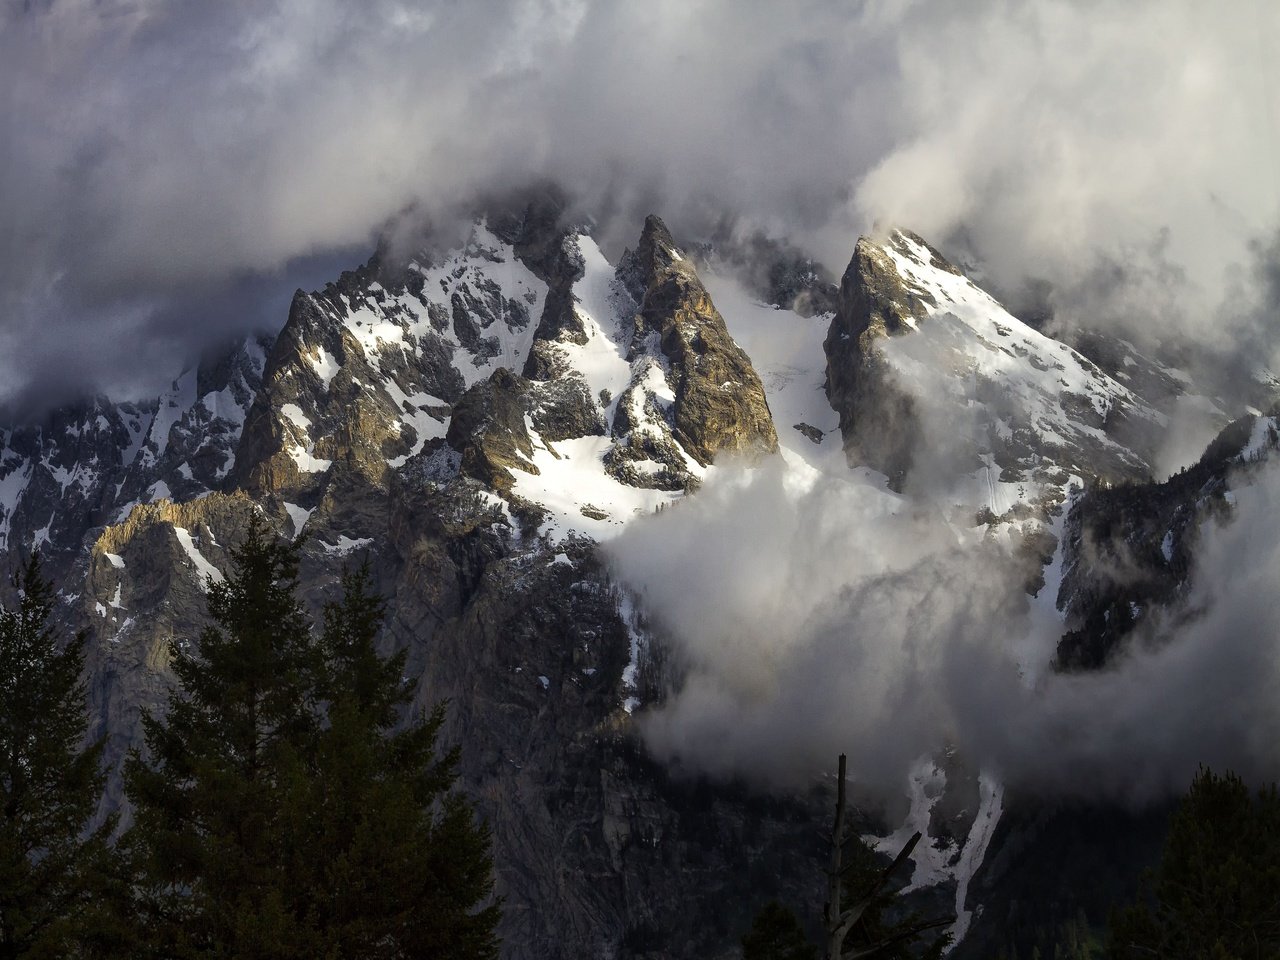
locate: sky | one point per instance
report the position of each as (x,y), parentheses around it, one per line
(170,170)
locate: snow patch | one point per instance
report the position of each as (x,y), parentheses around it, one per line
(345,545)
(325,366)
(298,516)
(786,351)
(303,452)
(604,308)
(169,411)
(206,570)
(12,486)
(1263,437)
(931,863)
(990,806)
(425,425)
(573,478)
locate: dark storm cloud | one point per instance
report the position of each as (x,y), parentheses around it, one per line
(155,152)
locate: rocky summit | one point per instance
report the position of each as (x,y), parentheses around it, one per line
(477,421)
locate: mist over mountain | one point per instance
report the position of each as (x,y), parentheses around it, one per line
(679,525)
(1109,164)
(712,388)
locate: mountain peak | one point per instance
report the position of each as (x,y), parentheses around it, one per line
(657,252)
(917,347)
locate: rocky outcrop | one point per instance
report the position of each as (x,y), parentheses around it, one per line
(646,454)
(930,375)
(877,417)
(487,429)
(1131,549)
(144,589)
(314,407)
(564,409)
(530,648)
(562,267)
(719,404)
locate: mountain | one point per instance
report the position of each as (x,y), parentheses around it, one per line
(91,464)
(476,421)
(1132,548)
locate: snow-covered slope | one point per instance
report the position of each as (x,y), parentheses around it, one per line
(939,386)
(90,464)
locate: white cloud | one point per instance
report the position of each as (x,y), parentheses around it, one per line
(842,619)
(155,152)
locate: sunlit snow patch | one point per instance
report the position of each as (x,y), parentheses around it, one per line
(346,545)
(579,496)
(303,451)
(298,516)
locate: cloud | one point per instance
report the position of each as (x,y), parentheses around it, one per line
(155,154)
(826,624)
(1196,691)
(845,619)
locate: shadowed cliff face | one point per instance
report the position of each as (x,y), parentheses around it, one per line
(1132,550)
(877,418)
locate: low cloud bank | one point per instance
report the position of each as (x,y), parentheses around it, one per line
(842,619)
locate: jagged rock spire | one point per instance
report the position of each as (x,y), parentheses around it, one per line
(720,403)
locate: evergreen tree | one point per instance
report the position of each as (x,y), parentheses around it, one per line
(1216,892)
(51,871)
(393,862)
(206,840)
(280,814)
(776,934)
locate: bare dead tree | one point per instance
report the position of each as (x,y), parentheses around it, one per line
(840,918)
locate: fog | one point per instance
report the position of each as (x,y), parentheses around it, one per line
(162,157)
(844,619)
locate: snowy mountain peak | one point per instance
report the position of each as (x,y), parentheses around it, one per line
(933,378)
(476,420)
(625,402)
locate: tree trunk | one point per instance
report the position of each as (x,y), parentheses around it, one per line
(834,929)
